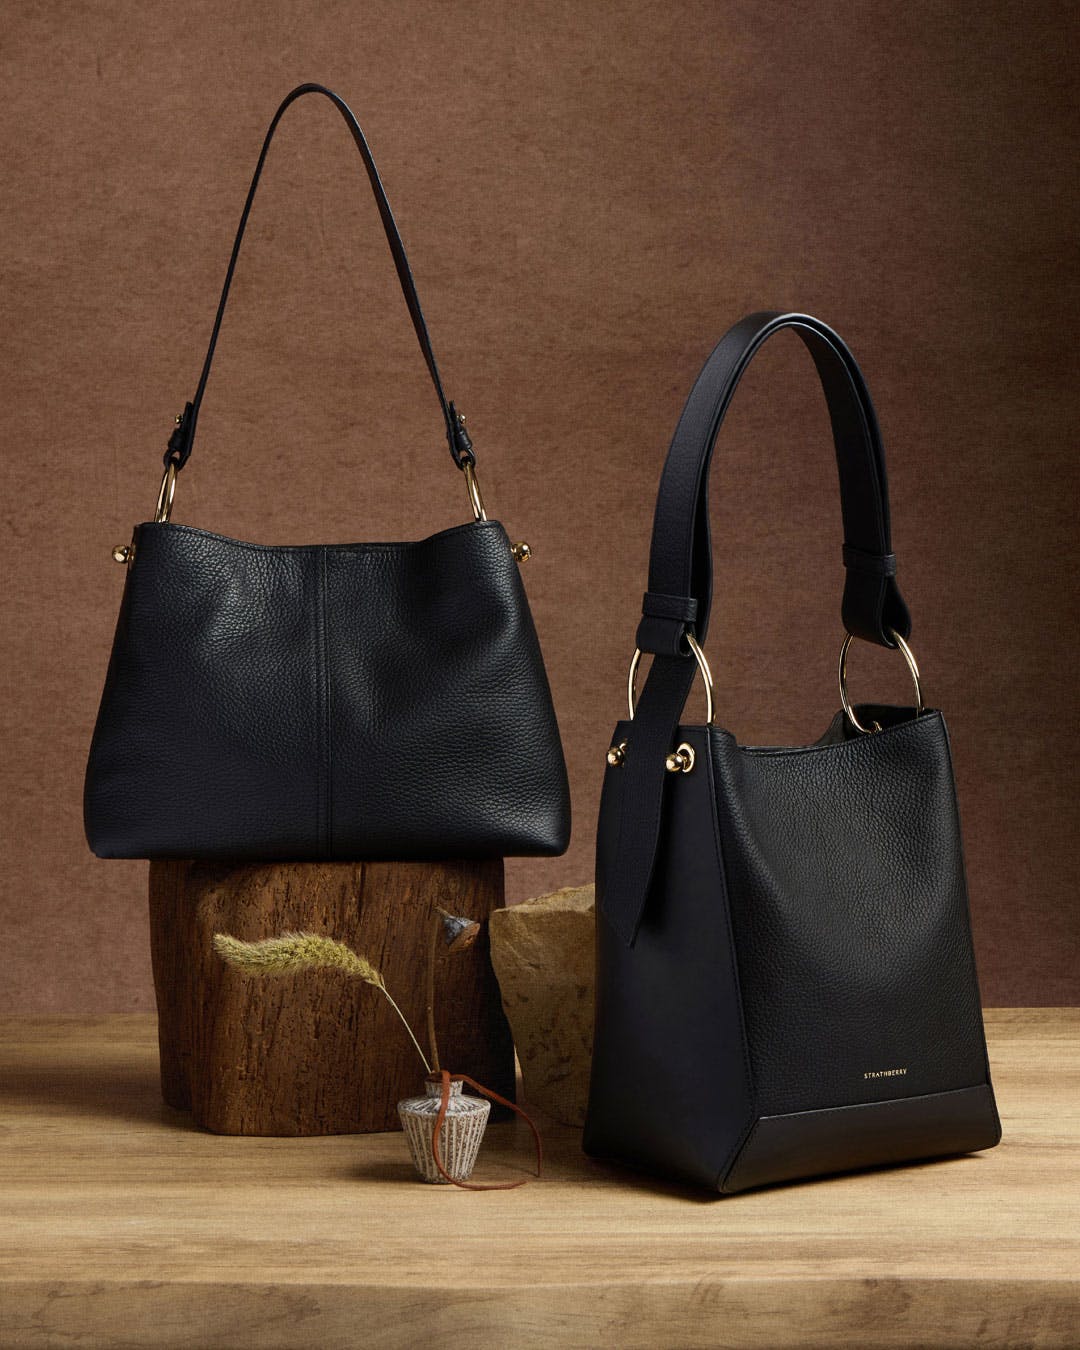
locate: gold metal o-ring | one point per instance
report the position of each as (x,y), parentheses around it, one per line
(913,668)
(476,500)
(166,493)
(702,664)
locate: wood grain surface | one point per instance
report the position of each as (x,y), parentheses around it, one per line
(122,1225)
(317,1052)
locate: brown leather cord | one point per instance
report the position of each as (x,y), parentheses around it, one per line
(447,1078)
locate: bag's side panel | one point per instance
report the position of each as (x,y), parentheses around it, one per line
(209,723)
(670,1090)
(443,734)
(849,908)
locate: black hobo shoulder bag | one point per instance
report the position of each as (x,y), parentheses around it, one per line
(785,978)
(325,701)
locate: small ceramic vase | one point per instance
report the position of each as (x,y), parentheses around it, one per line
(460,1136)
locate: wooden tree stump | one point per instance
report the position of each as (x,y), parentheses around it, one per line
(316,1052)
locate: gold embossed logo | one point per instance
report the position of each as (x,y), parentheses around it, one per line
(884,1073)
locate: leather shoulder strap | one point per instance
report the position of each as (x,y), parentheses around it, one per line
(680,563)
(180,442)
(680,570)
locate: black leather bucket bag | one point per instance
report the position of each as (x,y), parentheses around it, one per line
(785,983)
(325,701)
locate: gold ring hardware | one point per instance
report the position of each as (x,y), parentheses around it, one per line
(166,493)
(913,668)
(703,666)
(616,756)
(521,551)
(476,499)
(681,759)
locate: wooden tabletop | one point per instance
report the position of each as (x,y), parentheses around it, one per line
(121,1225)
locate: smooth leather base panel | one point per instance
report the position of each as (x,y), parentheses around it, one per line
(846,1138)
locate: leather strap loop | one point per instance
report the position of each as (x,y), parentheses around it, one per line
(681,607)
(680,564)
(880,564)
(664,621)
(180,443)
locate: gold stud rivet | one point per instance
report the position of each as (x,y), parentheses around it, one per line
(122,553)
(178,418)
(616,756)
(681,760)
(522,552)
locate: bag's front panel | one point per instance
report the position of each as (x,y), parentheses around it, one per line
(849,908)
(444,741)
(326,702)
(670,1088)
(208,729)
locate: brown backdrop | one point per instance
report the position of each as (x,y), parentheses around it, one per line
(590,194)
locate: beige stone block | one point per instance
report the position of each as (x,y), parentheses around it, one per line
(543,951)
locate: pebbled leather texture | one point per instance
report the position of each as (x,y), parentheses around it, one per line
(326,701)
(849,906)
(785,977)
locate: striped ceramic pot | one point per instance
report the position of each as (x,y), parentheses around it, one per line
(459,1138)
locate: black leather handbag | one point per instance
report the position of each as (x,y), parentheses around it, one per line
(785,978)
(325,701)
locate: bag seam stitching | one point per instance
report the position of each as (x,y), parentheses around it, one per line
(326,742)
(486,525)
(732,962)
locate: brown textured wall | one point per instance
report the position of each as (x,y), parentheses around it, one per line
(590,194)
